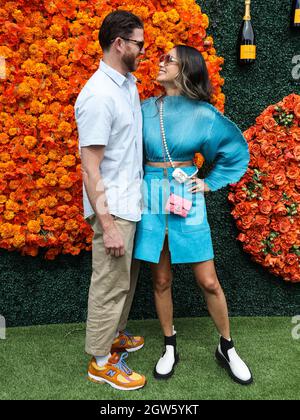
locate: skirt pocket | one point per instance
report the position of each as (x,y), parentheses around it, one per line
(197,217)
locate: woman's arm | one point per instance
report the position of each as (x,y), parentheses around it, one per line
(227,146)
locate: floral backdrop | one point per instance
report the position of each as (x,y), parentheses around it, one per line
(51,49)
(267,199)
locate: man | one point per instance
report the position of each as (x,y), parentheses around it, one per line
(109,121)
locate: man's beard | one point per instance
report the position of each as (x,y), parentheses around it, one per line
(130,61)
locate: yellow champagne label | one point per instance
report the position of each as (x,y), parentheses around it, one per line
(297,16)
(248,52)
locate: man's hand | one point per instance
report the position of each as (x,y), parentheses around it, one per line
(113,242)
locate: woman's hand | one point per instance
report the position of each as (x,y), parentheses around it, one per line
(199,186)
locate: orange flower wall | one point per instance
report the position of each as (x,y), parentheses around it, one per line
(267,199)
(51,49)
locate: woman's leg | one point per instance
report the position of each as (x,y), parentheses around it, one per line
(207,279)
(162,284)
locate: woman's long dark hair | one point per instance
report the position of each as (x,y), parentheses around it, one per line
(193,78)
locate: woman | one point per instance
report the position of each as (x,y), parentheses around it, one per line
(175,127)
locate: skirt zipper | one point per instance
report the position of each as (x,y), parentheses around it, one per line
(167,227)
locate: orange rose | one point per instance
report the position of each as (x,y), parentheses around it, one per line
(280,178)
(261,220)
(280,209)
(243,209)
(269,123)
(297,110)
(295,131)
(291,259)
(284,226)
(265,207)
(293,172)
(296,152)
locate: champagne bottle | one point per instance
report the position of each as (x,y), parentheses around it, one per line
(295,21)
(246,43)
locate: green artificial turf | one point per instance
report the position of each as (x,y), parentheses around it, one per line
(48,362)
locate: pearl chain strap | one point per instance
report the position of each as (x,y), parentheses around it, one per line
(163,133)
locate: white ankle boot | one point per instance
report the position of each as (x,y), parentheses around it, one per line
(164,368)
(230,360)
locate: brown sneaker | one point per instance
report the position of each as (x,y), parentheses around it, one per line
(116,373)
(127,342)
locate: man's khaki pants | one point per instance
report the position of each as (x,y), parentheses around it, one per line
(112,288)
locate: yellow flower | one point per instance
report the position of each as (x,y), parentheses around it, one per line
(14,184)
(51,179)
(3,199)
(56,31)
(65,71)
(34,226)
(4,157)
(7,230)
(19,241)
(161,42)
(51,201)
(71,225)
(24,91)
(4,139)
(65,128)
(12,206)
(6,52)
(8,215)
(30,142)
(53,155)
(159,18)
(65,182)
(173,16)
(12,131)
(42,159)
(205,20)
(51,45)
(68,160)
(18,15)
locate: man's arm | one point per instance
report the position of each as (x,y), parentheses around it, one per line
(91,158)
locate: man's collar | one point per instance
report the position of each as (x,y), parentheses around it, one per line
(117,77)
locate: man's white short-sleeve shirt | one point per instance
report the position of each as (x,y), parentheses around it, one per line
(108,113)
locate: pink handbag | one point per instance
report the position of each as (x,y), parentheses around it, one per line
(178,205)
(175,204)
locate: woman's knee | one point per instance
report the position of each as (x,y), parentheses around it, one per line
(211,285)
(162,283)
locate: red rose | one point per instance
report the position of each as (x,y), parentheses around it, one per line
(297,110)
(280,209)
(284,226)
(255,149)
(291,259)
(243,208)
(267,149)
(269,123)
(241,196)
(279,179)
(242,237)
(295,131)
(293,172)
(296,152)
(265,207)
(261,220)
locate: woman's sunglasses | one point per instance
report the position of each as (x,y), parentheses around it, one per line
(167,59)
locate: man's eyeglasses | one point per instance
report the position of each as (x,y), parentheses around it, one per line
(140,44)
(167,59)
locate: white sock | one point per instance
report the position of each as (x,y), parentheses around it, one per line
(102,360)
(117,334)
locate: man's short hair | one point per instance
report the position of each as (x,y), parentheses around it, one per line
(118,24)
